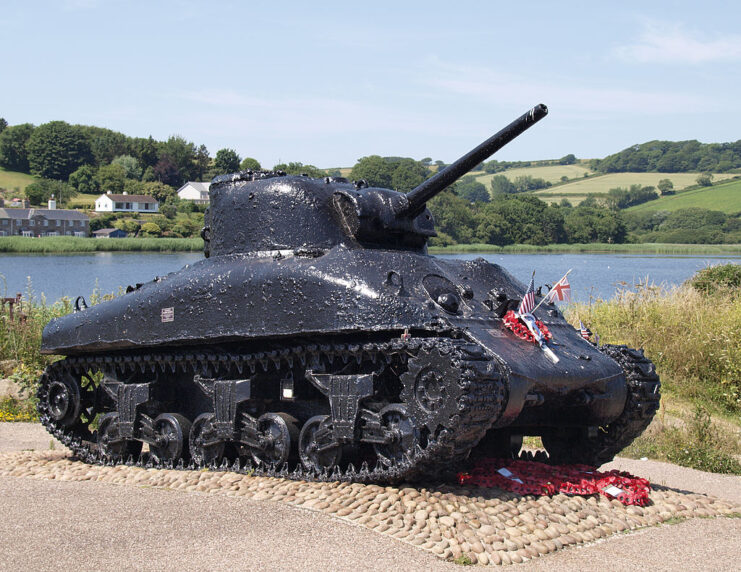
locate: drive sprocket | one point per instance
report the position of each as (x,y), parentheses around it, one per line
(432,387)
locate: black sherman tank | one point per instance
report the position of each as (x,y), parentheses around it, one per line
(318,337)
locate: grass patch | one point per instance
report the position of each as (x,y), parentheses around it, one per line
(725,197)
(646,248)
(83,201)
(14,183)
(50,244)
(698,443)
(13,409)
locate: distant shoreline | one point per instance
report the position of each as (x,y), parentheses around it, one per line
(591,248)
(67,244)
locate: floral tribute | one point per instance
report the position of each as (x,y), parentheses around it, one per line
(521,331)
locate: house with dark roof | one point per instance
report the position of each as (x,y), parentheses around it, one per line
(110,233)
(195,191)
(43,222)
(125,202)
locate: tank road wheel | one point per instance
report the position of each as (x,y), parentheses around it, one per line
(404,435)
(109,442)
(205,448)
(316,447)
(171,431)
(63,400)
(431,388)
(574,445)
(279,432)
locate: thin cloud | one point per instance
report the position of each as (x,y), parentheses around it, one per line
(313,114)
(486,84)
(672,44)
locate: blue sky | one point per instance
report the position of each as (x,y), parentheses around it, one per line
(329,82)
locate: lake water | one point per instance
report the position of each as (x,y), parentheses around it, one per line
(593,275)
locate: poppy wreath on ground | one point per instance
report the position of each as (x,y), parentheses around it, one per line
(534,478)
(520,329)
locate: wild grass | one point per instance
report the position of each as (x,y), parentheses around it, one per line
(647,248)
(13,409)
(21,359)
(50,244)
(693,335)
(695,441)
(693,338)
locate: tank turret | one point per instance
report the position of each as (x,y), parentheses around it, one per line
(319,336)
(254,212)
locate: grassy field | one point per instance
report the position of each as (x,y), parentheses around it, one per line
(50,244)
(550,173)
(577,191)
(647,248)
(725,197)
(10,181)
(83,201)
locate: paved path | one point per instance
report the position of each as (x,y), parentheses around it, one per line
(51,525)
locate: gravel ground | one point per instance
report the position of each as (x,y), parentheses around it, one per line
(72,510)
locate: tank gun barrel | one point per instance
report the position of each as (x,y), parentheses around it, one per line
(417,197)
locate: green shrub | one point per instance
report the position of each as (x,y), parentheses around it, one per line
(714,279)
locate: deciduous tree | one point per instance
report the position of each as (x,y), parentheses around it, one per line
(13,153)
(226,161)
(112,178)
(249,164)
(56,149)
(85,180)
(130,165)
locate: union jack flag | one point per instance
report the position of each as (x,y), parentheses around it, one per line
(561,291)
(584,331)
(528,300)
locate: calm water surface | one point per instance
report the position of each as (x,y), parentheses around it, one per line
(595,275)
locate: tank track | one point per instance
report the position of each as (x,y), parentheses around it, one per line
(480,401)
(640,407)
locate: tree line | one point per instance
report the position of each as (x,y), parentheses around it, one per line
(72,159)
(672,157)
(77,158)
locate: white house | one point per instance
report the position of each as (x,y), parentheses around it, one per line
(126,203)
(194,191)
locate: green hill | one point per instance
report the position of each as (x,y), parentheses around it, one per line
(550,173)
(725,197)
(14,183)
(577,191)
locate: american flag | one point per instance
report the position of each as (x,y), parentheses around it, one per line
(561,291)
(528,300)
(584,331)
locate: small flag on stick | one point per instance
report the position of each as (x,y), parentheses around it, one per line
(561,290)
(528,300)
(584,331)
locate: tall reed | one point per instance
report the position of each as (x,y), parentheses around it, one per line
(48,244)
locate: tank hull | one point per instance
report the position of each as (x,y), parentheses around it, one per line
(318,336)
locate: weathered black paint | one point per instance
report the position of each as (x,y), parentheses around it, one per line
(294,261)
